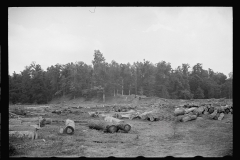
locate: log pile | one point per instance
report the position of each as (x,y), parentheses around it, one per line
(188,112)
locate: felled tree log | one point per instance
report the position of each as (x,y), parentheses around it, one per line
(21,128)
(221,116)
(216,117)
(189,118)
(179,111)
(189,110)
(113,120)
(102,125)
(23,134)
(33,119)
(211,110)
(70,127)
(214,113)
(150,117)
(116,115)
(125,127)
(15,121)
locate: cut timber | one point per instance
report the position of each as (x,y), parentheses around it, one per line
(34,119)
(150,117)
(221,116)
(190,110)
(189,118)
(125,127)
(113,120)
(102,125)
(21,128)
(15,121)
(179,111)
(214,113)
(70,127)
(23,134)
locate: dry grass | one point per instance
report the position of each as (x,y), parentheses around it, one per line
(207,138)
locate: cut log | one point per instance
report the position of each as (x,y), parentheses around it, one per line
(102,125)
(186,118)
(200,110)
(221,116)
(216,116)
(199,118)
(214,113)
(179,118)
(21,128)
(70,127)
(113,120)
(15,121)
(150,117)
(205,112)
(125,127)
(116,115)
(33,119)
(193,117)
(211,110)
(190,110)
(23,134)
(179,111)
(128,116)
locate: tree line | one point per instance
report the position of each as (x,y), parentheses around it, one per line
(34,85)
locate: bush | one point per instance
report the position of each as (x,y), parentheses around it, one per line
(185,94)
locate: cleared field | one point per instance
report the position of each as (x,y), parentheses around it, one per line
(207,138)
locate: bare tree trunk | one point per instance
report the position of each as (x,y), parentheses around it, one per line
(103,95)
(122,87)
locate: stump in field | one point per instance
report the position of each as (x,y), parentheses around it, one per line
(70,127)
(102,125)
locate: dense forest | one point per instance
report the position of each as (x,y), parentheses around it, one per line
(35,86)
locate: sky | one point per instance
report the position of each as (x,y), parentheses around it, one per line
(176,35)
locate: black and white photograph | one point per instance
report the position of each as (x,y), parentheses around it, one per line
(120,81)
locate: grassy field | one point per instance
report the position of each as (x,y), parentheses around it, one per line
(207,138)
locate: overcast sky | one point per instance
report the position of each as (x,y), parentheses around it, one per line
(51,35)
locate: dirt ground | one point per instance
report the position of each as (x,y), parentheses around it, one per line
(206,138)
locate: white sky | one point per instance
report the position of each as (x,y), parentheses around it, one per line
(51,35)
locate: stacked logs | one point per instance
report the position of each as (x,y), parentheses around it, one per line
(191,112)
